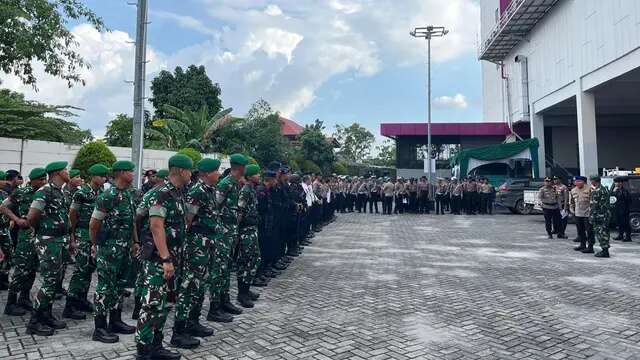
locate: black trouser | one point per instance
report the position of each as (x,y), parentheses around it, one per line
(446,200)
(456,201)
(622,221)
(563,224)
(423,202)
(373,202)
(483,203)
(439,205)
(399,208)
(551,219)
(468,202)
(585,231)
(490,206)
(387,205)
(413,201)
(361,203)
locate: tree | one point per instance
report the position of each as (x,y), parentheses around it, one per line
(189,90)
(355,142)
(386,154)
(92,153)
(339,168)
(119,131)
(310,167)
(23,119)
(316,147)
(36,30)
(191,153)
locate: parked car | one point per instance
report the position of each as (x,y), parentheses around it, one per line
(632,184)
(511,194)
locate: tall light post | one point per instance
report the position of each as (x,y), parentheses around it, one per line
(137,139)
(428,32)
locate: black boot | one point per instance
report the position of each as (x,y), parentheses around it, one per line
(24,300)
(4,281)
(604,253)
(51,321)
(254,295)
(581,247)
(158,352)
(83,304)
(116,325)
(12,308)
(71,310)
(619,237)
(101,333)
(588,250)
(243,295)
(36,325)
(181,338)
(194,328)
(260,281)
(217,315)
(627,238)
(143,352)
(227,306)
(137,306)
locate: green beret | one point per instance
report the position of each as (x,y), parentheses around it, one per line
(73,173)
(162,173)
(181,161)
(238,159)
(123,165)
(208,165)
(251,170)
(56,166)
(37,173)
(3,175)
(594,178)
(98,170)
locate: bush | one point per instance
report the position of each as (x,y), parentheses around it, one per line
(95,152)
(192,153)
(339,168)
(309,166)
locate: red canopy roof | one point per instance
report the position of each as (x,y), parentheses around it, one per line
(444,129)
(289,127)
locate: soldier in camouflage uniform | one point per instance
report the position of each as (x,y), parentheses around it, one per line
(112,234)
(227,201)
(204,230)
(5,240)
(600,215)
(248,250)
(69,189)
(160,251)
(47,215)
(25,257)
(82,204)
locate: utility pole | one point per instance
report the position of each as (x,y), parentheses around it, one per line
(427,33)
(137,140)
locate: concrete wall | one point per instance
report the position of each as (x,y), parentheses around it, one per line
(24,155)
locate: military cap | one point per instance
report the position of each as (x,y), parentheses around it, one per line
(3,175)
(73,173)
(208,165)
(98,170)
(238,159)
(269,174)
(285,169)
(251,170)
(595,178)
(162,173)
(618,179)
(37,173)
(56,166)
(274,166)
(150,172)
(11,174)
(580,178)
(122,165)
(181,161)
(556,177)
(548,178)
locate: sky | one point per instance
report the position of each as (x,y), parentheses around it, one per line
(340,61)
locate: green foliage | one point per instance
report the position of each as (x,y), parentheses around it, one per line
(309,166)
(119,131)
(95,152)
(33,30)
(339,168)
(355,142)
(316,147)
(386,154)
(32,120)
(190,90)
(192,153)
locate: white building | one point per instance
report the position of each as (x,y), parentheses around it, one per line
(571,68)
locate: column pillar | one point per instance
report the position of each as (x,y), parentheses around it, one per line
(587,141)
(537,131)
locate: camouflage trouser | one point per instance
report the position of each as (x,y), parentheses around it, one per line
(601,232)
(25,261)
(66,260)
(51,254)
(194,271)
(220,266)
(248,254)
(85,265)
(111,261)
(137,291)
(153,314)
(5,245)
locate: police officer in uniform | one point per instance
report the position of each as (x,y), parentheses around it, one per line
(579,205)
(550,203)
(622,209)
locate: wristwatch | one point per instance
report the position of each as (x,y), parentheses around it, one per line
(166,260)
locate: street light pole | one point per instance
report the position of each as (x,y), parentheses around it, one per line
(428,32)
(137,139)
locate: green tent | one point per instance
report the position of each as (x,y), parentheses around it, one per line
(470,159)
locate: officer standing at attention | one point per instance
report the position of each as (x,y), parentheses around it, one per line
(47,216)
(579,205)
(82,205)
(600,215)
(622,209)
(25,257)
(248,250)
(160,256)
(112,234)
(550,203)
(203,230)
(423,195)
(456,196)
(563,197)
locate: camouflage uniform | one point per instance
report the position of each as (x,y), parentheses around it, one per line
(600,215)
(51,241)
(248,249)
(203,235)
(25,257)
(5,242)
(167,203)
(227,200)
(142,222)
(83,201)
(115,208)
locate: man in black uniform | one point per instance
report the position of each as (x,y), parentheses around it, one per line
(622,208)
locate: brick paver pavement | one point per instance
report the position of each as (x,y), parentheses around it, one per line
(414,287)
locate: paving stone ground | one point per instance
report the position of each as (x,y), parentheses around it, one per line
(414,287)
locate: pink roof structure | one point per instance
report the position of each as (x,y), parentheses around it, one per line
(444,129)
(289,128)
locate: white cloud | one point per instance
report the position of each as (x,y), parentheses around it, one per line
(458,101)
(184,21)
(273,10)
